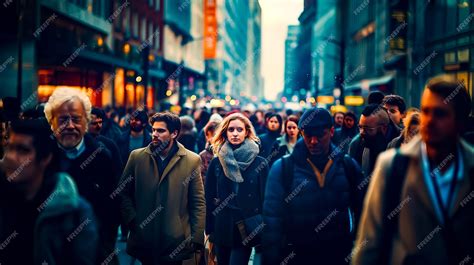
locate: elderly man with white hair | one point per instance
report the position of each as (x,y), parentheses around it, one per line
(68,111)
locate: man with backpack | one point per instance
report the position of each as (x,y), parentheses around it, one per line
(419,207)
(312,202)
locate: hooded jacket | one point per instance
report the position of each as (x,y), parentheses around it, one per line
(65,230)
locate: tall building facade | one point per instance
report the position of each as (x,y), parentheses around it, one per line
(233,49)
(291,62)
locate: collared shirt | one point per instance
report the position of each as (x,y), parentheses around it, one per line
(75,152)
(162,163)
(443,180)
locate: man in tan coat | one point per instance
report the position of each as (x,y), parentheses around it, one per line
(163,198)
(431,221)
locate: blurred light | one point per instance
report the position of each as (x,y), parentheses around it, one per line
(325,99)
(151,57)
(337,92)
(130,73)
(126,48)
(169,93)
(354,100)
(284,99)
(138,79)
(254,98)
(464,4)
(365,85)
(312,100)
(232,102)
(302,103)
(228,98)
(100,41)
(294,98)
(193,97)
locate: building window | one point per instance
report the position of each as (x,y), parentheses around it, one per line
(126,21)
(463,15)
(135,25)
(157,38)
(151,34)
(463,55)
(450,57)
(143,30)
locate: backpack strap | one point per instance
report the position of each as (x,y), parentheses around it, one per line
(350,171)
(394,181)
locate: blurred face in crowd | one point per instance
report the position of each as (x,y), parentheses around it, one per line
(394,113)
(317,141)
(236,132)
(161,137)
(20,162)
(273,124)
(260,116)
(371,130)
(95,125)
(69,123)
(292,129)
(136,124)
(438,124)
(349,122)
(339,119)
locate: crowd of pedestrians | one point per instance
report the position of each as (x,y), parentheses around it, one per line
(391,185)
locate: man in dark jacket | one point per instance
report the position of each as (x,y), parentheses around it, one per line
(95,130)
(137,136)
(43,220)
(343,135)
(89,163)
(376,131)
(312,202)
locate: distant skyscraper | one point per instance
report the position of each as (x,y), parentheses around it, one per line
(291,61)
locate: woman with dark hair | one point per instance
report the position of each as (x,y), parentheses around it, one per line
(284,145)
(234,189)
(274,122)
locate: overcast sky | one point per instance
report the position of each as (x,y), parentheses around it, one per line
(276,16)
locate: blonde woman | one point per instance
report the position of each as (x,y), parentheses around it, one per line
(235,185)
(411,129)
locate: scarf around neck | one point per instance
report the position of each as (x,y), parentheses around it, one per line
(235,160)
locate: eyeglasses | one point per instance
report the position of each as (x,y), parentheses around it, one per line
(66,119)
(370,130)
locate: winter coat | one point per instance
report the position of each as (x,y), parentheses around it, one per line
(305,214)
(64,230)
(369,156)
(419,236)
(224,207)
(165,213)
(267,141)
(343,137)
(124,142)
(206,157)
(96,180)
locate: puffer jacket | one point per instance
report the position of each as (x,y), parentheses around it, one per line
(306,215)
